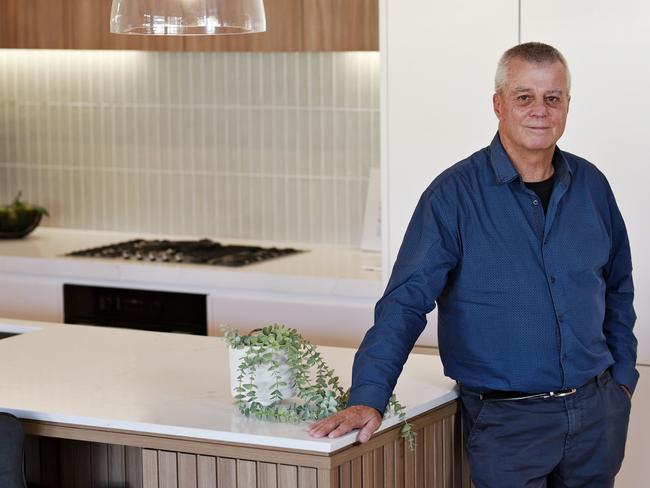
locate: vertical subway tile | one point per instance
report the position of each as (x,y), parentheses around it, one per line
(302,79)
(326,143)
(264,94)
(280,91)
(287,73)
(255,80)
(199,186)
(260,145)
(267,146)
(325,79)
(293,210)
(278,206)
(215,79)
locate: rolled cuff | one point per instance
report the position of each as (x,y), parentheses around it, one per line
(370,396)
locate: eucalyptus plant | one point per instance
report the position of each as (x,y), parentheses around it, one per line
(314,383)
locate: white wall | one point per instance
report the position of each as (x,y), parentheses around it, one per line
(438,62)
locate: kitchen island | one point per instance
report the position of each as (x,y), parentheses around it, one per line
(329,292)
(118,407)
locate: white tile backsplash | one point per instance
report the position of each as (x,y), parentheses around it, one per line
(242,145)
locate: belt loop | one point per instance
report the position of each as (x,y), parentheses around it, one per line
(600,378)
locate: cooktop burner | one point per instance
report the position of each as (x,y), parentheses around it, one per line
(202,251)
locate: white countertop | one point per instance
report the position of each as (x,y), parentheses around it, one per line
(324,270)
(168,384)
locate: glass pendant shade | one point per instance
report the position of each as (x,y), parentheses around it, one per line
(187,17)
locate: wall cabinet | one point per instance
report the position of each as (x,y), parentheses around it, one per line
(292,25)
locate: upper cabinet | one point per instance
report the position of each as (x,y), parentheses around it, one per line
(340,25)
(292,25)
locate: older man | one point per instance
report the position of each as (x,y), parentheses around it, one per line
(524,250)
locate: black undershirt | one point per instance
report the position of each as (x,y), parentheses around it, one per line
(543,190)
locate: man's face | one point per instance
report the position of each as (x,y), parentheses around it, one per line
(532,107)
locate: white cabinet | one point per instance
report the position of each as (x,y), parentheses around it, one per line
(606,45)
(31,298)
(438,63)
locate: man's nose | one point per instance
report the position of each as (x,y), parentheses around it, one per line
(539,109)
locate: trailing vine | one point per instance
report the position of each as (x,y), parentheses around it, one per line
(318,391)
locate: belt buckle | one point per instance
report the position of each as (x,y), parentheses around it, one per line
(562,393)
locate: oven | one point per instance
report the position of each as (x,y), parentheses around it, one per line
(160,311)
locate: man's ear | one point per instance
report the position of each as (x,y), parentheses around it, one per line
(497,105)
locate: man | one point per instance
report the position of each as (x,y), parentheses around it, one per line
(524,250)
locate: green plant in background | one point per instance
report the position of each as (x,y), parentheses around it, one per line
(313,381)
(18,207)
(19,218)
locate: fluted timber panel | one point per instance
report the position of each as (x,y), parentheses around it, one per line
(436,461)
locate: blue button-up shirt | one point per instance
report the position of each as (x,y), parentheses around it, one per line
(526,301)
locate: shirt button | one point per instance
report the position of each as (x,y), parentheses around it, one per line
(552,279)
(535,202)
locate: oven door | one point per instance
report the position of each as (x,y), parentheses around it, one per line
(159,311)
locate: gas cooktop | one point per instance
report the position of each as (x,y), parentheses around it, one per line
(203,251)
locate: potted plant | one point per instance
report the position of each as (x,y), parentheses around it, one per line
(276,374)
(19,218)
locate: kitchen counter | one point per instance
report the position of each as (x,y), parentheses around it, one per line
(169,384)
(323,270)
(328,292)
(108,407)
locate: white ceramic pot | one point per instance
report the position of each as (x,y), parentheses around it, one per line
(263,377)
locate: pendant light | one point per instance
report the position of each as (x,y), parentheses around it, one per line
(187,17)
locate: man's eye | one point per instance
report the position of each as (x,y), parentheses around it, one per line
(552,99)
(523,98)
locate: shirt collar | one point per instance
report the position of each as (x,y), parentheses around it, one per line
(505,171)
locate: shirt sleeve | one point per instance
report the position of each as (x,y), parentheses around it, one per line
(430,249)
(619,309)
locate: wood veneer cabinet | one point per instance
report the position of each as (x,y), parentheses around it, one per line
(292,25)
(340,25)
(64,456)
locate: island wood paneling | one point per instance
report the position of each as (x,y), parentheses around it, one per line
(292,25)
(385,461)
(66,463)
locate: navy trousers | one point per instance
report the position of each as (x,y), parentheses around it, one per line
(11,452)
(572,441)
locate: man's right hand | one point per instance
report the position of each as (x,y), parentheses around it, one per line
(368,419)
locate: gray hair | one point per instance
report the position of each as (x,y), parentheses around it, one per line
(532,52)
